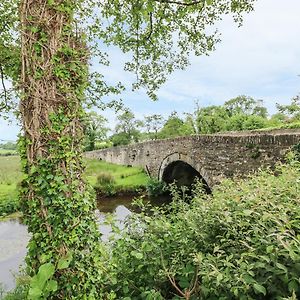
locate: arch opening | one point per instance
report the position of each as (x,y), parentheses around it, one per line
(183,174)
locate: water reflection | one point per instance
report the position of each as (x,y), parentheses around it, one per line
(13,240)
(14,236)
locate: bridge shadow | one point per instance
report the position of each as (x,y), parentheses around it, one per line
(183,174)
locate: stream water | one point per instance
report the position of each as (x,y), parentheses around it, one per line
(14,236)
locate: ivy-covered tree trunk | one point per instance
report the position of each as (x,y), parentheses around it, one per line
(63,253)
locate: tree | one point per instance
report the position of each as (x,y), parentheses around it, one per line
(9,146)
(173,127)
(127,127)
(211,119)
(94,130)
(291,111)
(245,113)
(153,123)
(245,105)
(64,256)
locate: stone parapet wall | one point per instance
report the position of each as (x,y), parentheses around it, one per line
(213,156)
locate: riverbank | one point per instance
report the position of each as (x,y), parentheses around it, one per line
(123,181)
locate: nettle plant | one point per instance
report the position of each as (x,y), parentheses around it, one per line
(47,45)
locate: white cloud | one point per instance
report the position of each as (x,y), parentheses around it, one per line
(260,59)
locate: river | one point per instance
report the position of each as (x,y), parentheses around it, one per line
(14,236)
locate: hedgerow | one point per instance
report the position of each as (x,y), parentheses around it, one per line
(242,242)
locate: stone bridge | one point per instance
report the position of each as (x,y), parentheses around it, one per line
(209,157)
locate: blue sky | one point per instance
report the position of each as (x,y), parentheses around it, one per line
(261,59)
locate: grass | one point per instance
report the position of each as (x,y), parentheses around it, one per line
(10,170)
(5,152)
(125,178)
(10,176)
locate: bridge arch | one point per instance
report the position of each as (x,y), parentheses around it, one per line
(184,170)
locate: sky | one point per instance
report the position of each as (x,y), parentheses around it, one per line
(261,59)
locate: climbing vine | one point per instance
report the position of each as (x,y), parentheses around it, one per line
(64,252)
(46,57)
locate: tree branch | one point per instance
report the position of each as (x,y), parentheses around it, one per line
(2,81)
(179,2)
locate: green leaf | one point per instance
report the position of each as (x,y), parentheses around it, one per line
(259,288)
(34,293)
(209,2)
(136,254)
(45,272)
(51,286)
(248,279)
(65,261)
(282,267)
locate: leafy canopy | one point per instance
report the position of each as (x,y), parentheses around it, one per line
(158,35)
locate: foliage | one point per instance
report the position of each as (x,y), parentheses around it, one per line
(153,123)
(120,139)
(161,34)
(94,130)
(173,127)
(9,204)
(9,54)
(126,129)
(105,179)
(106,183)
(211,119)
(296,151)
(20,291)
(291,110)
(51,78)
(245,105)
(240,243)
(155,187)
(8,146)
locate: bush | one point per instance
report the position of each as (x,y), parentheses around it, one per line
(155,187)
(243,242)
(9,206)
(106,184)
(104,179)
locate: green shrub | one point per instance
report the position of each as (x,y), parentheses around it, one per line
(155,187)
(9,206)
(106,184)
(243,242)
(20,292)
(296,151)
(104,179)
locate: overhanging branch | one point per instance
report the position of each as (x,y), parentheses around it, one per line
(179,2)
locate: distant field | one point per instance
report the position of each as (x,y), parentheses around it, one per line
(10,171)
(4,152)
(10,175)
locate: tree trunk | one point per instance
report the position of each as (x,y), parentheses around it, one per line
(57,205)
